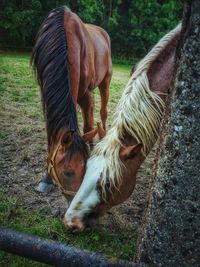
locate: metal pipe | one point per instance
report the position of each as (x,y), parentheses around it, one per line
(55,253)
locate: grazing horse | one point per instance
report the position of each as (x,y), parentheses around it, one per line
(70,58)
(111,170)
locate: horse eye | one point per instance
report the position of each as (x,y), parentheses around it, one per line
(67,139)
(133,155)
(69,173)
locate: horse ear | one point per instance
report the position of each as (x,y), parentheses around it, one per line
(130,152)
(101,131)
(90,135)
(66,139)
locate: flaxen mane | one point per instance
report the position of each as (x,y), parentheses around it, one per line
(139,114)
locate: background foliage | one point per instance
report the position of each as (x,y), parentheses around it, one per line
(134,25)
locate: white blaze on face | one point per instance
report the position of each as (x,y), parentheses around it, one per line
(87,196)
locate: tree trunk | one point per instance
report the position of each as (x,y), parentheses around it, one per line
(171,234)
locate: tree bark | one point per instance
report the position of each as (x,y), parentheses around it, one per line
(171,234)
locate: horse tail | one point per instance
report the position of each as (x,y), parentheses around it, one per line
(49,59)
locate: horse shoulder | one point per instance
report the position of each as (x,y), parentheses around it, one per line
(77,42)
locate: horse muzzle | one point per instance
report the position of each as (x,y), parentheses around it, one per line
(75,224)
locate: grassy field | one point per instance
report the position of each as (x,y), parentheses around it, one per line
(21,114)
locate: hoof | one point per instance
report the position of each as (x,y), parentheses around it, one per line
(44,187)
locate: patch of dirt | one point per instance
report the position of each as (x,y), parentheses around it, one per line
(23,163)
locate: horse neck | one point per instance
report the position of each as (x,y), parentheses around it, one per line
(50,55)
(160,73)
(140,109)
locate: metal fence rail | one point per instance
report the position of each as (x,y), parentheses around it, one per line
(55,253)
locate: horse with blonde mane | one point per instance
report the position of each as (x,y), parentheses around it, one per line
(111,170)
(71,59)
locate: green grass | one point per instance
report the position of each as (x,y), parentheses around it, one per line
(38,223)
(3,134)
(16,78)
(20,102)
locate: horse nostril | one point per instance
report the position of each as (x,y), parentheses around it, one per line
(74,225)
(74,228)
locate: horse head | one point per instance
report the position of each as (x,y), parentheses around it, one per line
(95,198)
(67,159)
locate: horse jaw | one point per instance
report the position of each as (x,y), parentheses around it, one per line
(87,198)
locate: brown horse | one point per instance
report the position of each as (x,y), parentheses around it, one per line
(71,59)
(111,171)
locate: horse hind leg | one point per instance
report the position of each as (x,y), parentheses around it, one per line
(104,93)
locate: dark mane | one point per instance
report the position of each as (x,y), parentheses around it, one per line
(49,58)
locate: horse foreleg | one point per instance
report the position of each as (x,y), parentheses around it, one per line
(104,92)
(86,104)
